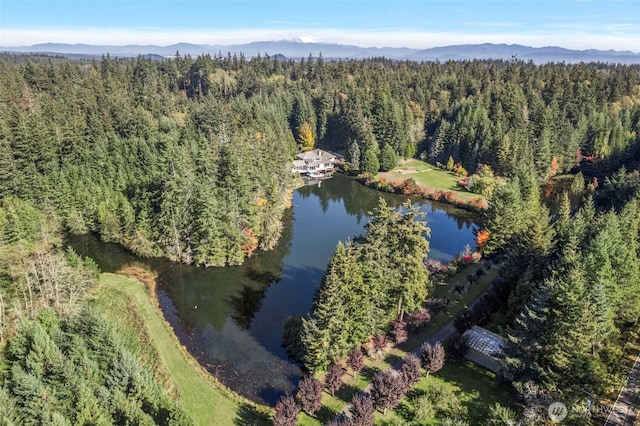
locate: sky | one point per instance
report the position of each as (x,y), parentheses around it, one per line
(574,24)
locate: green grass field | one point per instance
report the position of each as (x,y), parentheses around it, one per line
(206,401)
(428,175)
(476,388)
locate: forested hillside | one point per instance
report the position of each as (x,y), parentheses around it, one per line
(121,149)
(189,158)
(61,362)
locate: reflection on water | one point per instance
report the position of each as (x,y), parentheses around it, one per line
(231,319)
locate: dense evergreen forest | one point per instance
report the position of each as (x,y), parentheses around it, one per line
(61,361)
(573,279)
(190,159)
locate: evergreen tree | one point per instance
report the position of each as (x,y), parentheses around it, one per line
(388,158)
(399,238)
(354,156)
(369,163)
(337,320)
(503,218)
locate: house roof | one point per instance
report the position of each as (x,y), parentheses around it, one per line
(315,154)
(484,341)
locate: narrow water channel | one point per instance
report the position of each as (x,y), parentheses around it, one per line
(231,319)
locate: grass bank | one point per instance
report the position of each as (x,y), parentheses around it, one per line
(127,302)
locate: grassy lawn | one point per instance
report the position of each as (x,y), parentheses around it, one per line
(206,401)
(429,175)
(476,388)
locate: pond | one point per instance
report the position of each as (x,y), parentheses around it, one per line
(231,319)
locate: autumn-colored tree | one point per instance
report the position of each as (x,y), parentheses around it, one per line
(553,170)
(482,237)
(333,379)
(310,394)
(432,356)
(459,170)
(450,164)
(306,139)
(355,360)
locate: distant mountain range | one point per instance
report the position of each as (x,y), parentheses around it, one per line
(296,50)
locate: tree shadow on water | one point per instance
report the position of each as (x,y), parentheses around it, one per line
(270,395)
(251,416)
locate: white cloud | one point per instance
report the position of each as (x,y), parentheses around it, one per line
(573,38)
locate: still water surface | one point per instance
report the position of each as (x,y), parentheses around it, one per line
(231,319)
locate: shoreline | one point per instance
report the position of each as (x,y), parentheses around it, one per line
(409,187)
(193,382)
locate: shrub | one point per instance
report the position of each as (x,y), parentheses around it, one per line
(423,409)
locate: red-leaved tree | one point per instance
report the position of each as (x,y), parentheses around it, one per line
(410,370)
(333,379)
(310,394)
(362,410)
(399,331)
(387,389)
(432,356)
(286,412)
(355,360)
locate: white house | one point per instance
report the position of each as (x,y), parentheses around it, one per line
(314,163)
